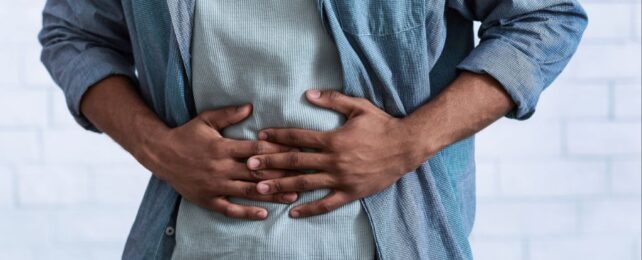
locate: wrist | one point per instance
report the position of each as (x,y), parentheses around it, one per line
(423,142)
(148,133)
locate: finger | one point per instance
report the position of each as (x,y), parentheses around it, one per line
(239,171)
(289,161)
(224,206)
(332,201)
(337,101)
(247,190)
(245,149)
(224,117)
(295,137)
(304,182)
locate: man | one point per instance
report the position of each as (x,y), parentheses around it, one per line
(328,129)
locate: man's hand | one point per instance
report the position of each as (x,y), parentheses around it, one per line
(205,167)
(370,152)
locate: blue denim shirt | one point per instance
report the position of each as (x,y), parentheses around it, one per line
(396,53)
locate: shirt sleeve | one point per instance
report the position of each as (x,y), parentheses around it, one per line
(524,44)
(84,42)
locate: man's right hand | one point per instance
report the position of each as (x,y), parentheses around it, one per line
(205,168)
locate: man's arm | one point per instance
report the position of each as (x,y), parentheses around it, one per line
(373,149)
(471,103)
(194,158)
(87,51)
(524,46)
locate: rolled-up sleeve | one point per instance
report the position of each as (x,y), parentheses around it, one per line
(84,42)
(524,44)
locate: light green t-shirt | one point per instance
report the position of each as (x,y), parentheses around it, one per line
(267,53)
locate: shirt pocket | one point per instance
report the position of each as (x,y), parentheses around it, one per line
(379,17)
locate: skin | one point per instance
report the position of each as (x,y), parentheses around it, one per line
(373,150)
(194,159)
(370,152)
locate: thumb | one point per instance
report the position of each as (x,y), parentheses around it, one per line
(334,100)
(224,117)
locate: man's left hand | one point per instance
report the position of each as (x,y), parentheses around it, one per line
(370,152)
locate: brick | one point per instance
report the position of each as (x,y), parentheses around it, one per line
(520,139)
(93,226)
(581,248)
(17,253)
(604,138)
(564,100)
(25,228)
(637,22)
(552,178)
(9,72)
(627,102)
(107,253)
(518,219)
(120,186)
(612,23)
(25,18)
(606,61)
(638,249)
(487,179)
(626,177)
(19,146)
(50,186)
(91,252)
(6,187)
(23,108)
(611,216)
(80,146)
(496,249)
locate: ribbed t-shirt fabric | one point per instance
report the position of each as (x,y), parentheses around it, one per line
(267,53)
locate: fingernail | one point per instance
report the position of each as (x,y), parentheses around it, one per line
(263,188)
(313,93)
(294,214)
(242,107)
(290,197)
(261,214)
(253,163)
(263,136)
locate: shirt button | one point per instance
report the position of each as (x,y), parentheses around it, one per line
(169,231)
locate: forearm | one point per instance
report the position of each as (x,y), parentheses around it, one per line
(468,105)
(115,108)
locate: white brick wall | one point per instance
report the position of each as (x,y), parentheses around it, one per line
(563,185)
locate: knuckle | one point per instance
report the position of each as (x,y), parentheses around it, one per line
(277,186)
(257,174)
(293,160)
(228,211)
(223,167)
(230,111)
(248,191)
(334,95)
(217,148)
(362,101)
(209,189)
(325,207)
(266,161)
(302,184)
(290,135)
(260,147)
(341,163)
(334,142)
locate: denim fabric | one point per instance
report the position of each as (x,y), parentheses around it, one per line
(396,53)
